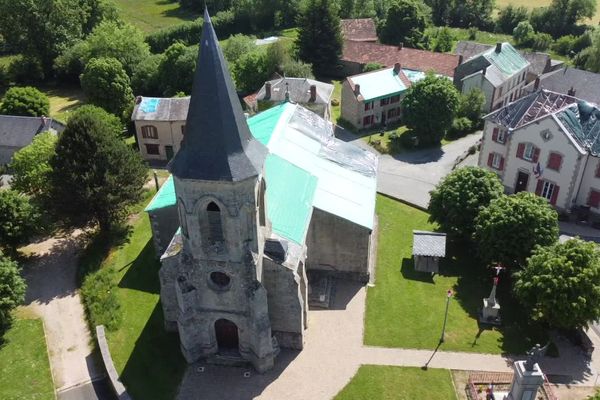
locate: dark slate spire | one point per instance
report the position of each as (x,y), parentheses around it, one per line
(217,144)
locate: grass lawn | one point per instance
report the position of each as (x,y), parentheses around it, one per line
(406,308)
(24,366)
(63,100)
(152,15)
(376,382)
(148,359)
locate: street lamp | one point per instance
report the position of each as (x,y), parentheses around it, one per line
(448,296)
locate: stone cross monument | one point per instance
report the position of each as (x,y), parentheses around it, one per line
(491,307)
(528,376)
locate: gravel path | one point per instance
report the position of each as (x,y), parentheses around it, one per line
(52,294)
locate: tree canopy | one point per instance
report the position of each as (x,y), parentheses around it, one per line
(319,39)
(30,166)
(457,200)
(18,219)
(106,84)
(560,285)
(561,16)
(405,22)
(462,14)
(12,289)
(95,174)
(25,101)
(431,94)
(510,228)
(176,69)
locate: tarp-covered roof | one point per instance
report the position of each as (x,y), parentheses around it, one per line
(165,196)
(161,109)
(381,83)
(582,121)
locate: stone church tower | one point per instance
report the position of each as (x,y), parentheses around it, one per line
(212,282)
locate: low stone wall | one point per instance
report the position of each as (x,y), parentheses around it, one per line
(113,376)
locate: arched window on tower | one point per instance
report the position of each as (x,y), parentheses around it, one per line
(261,203)
(215,226)
(182,218)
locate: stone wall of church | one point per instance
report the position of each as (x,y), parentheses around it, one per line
(338,245)
(164,223)
(287,300)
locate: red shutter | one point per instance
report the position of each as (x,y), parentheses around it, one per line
(598,171)
(554,195)
(594,199)
(520,150)
(554,161)
(539,186)
(501,164)
(495,135)
(536,154)
(490,159)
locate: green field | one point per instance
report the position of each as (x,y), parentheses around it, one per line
(152,15)
(398,383)
(406,308)
(24,366)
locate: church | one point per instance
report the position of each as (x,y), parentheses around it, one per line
(259,217)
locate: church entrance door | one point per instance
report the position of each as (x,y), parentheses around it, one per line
(227,335)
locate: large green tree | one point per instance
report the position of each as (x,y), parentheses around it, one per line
(18,219)
(510,228)
(12,289)
(251,71)
(560,284)
(591,54)
(561,16)
(459,197)
(319,39)
(432,95)
(30,166)
(25,101)
(406,22)
(106,84)
(176,69)
(509,17)
(461,13)
(95,174)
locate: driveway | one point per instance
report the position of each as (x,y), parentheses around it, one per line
(52,294)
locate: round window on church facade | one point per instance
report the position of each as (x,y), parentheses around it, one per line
(220,280)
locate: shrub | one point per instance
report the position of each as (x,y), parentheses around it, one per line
(12,289)
(18,219)
(408,139)
(335,102)
(564,45)
(523,33)
(25,101)
(541,41)
(460,127)
(100,299)
(372,67)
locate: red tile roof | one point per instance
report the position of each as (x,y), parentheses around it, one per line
(419,60)
(362,29)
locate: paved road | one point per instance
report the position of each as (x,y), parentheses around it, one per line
(97,390)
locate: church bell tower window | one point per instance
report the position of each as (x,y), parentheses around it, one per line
(215,227)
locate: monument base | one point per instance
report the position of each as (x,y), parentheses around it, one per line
(490,314)
(525,384)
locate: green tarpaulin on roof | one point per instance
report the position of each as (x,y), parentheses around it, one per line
(263,125)
(165,196)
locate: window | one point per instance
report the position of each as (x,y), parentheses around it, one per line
(368,120)
(368,105)
(499,135)
(554,161)
(182,218)
(393,112)
(594,199)
(215,229)
(496,161)
(395,99)
(547,190)
(152,149)
(149,132)
(598,171)
(220,279)
(183,130)
(384,102)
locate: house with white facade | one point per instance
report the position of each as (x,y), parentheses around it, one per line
(500,72)
(159,126)
(549,144)
(373,98)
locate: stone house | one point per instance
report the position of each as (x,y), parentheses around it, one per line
(582,84)
(356,54)
(17,132)
(260,206)
(549,144)
(309,93)
(499,72)
(159,126)
(359,30)
(374,98)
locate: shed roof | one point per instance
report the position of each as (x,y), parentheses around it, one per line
(17,131)
(161,109)
(299,90)
(359,29)
(430,244)
(380,83)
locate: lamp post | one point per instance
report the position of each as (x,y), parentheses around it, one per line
(448,296)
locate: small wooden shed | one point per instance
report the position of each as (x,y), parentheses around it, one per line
(428,248)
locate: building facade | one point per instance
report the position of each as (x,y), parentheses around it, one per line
(374,98)
(546,143)
(500,73)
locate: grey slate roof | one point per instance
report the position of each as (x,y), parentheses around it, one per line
(468,49)
(160,109)
(16,131)
(218,144)
(299,89)
(431,244)
(585,84)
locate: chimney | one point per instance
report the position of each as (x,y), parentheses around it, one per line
(571,91)
(313,93)
(484,71)
(397,68)
(536,84)
(460,59)
(267,90)
(356,89)
(400,45)
(498,47)
(548,66)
